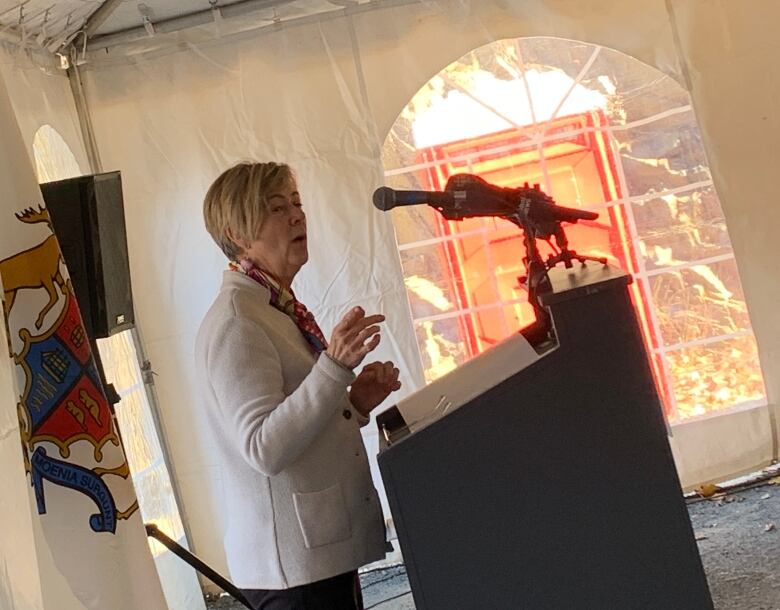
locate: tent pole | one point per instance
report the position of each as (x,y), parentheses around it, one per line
(87,133)
(183,22)
(96,167)
(99,17)
(239,9)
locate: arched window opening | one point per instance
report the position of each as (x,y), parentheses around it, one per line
(598,130)
(54,159)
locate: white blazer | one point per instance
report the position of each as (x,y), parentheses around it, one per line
(299,502)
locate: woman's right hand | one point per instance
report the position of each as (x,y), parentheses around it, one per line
(353,337)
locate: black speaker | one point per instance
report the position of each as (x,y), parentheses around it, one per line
(87,215)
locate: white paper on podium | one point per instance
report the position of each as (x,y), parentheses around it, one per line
(468,381)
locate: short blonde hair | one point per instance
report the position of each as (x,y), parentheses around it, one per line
(237,202)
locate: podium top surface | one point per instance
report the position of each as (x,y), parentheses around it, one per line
(451,391)
(582,280)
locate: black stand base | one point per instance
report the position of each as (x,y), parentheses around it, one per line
(174,547)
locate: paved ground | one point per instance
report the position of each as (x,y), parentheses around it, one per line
(739,540)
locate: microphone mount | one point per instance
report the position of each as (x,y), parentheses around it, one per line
(532,210)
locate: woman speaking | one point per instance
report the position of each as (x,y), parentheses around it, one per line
(285,406)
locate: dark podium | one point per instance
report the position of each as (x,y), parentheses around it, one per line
(555,488)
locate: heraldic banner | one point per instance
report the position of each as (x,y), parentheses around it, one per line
(88,529)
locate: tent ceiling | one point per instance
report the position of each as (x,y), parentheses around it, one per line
(44,23)
(131,13)
(53,24)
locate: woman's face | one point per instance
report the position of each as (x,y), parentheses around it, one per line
(280,247)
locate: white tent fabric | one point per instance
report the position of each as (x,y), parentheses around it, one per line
(354,258)
(40,95)
(321,93)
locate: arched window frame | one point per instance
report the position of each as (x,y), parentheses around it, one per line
(647,267)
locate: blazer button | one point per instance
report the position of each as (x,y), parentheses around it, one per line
(347,413)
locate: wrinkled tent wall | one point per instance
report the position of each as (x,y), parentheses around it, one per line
(40,94)
(730,53)
(228,103)
(321,94)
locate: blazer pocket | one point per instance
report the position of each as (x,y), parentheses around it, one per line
(322,516)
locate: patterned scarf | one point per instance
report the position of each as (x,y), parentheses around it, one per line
(284,300)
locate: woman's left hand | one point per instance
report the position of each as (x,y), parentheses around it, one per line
(374,383)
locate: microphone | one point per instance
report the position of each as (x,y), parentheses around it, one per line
(467,196)
(386,198)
